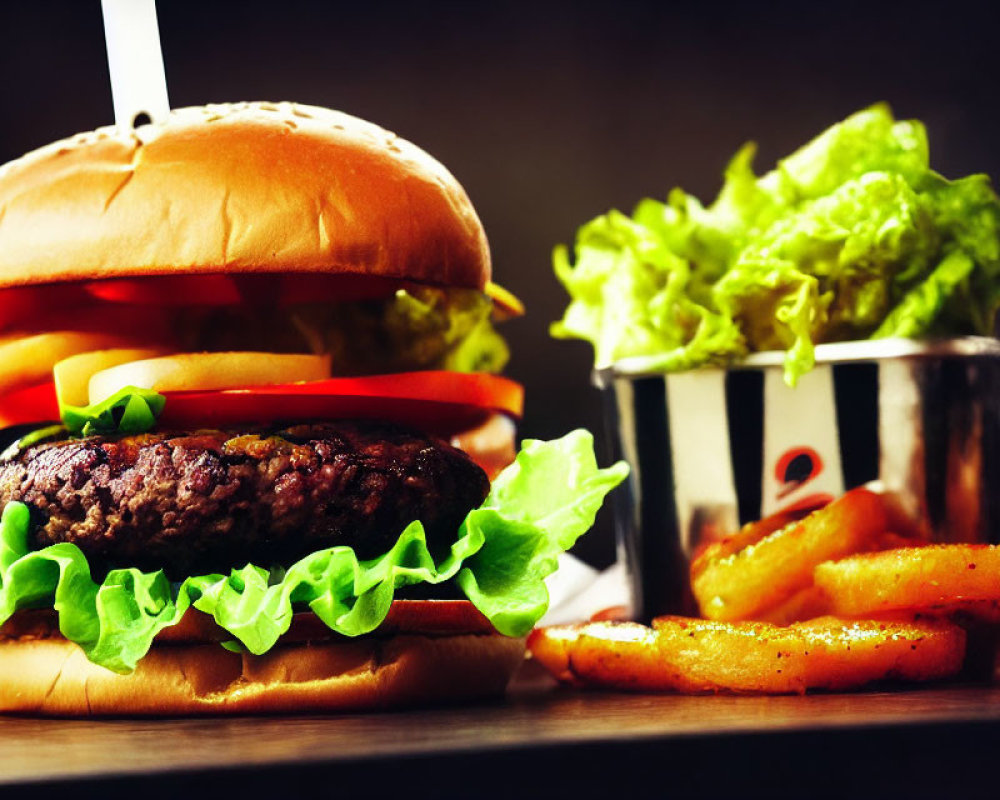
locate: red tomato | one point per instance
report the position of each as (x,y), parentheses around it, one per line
(223,290)
(266,288)
(28,405)
(36,307)
(167,290)
(28,307)
(436,401)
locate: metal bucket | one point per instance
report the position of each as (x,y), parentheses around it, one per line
(715,448)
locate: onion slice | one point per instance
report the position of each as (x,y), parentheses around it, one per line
(194,372)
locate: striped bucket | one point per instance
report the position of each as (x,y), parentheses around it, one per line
(715,448)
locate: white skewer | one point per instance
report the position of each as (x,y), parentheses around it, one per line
(138,81)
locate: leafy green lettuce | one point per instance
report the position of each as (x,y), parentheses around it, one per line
(537,508)
(129,410)
(851,237)
(418,328)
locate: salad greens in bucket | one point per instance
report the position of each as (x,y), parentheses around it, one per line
(853,236)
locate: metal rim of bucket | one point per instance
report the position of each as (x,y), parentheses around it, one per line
(831,353)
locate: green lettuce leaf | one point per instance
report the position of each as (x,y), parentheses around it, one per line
(525,523)
(917,311)
(850,237)
(129,410)
(416,328)
(537,508)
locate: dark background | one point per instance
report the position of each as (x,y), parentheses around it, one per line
(548,112)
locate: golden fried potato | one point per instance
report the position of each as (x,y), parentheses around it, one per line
(936,578)
(845,654)
(963,611)
(807,603)
(748,535)
(746,583)
(694,656)
(713,656)
(554,646)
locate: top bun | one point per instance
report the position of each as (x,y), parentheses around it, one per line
(238,188)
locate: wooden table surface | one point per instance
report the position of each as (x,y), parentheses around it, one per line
(540,741)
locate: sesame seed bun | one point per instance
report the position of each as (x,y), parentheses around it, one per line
(238,188)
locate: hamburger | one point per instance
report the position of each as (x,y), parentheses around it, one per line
(261,456)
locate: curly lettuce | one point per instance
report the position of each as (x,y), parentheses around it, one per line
(129,410)
(853,236)
(538,507)
(416,328)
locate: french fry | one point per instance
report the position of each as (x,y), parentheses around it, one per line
(743,584)
(963,611)
(748,535)
(938,578)
(697,656)
(813,602)
(554,646)
(744,657)
(846,654)
(807,603)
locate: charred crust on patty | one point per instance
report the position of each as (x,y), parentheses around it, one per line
(210,501)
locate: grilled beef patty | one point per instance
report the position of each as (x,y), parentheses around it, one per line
(197,503)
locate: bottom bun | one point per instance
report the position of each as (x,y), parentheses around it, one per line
(53,677)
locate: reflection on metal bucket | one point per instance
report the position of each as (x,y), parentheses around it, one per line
(713,449)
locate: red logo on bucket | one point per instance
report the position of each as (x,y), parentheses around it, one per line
(796,467)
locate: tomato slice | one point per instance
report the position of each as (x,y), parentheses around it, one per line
(224,290)
(167,290)
(213,289)
(436,401)
(21,307)
(28,405)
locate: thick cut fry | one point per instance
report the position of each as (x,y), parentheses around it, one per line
(807,603)
(845,654)
(936,578)
(963,611)
(554,646)
(748,535)
(813,602)
(695,656)
(745,584)
(710,656)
